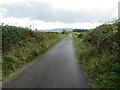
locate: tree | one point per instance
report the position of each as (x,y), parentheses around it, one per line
(64,31)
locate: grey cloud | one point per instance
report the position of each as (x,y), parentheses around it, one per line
(45,12)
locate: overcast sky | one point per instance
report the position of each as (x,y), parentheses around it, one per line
(49,14)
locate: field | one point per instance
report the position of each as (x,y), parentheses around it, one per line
(21,45)
(99,51)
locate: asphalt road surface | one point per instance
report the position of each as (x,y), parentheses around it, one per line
(57,68)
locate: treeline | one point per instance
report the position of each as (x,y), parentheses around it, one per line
(80,30)
(22,45)
(99,53)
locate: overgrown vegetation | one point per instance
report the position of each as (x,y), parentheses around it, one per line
(99,52)
(21,45)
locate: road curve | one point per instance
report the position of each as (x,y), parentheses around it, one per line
(57,68)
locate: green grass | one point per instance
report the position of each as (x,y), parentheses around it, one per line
(98,52)
(21,46)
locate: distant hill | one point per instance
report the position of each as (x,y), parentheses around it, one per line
(56,30)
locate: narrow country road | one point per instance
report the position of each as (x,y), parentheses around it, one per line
(57,68)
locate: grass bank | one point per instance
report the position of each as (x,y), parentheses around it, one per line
(21,45)
(99,51)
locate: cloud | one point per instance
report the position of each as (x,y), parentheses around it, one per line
(45,12)
(49,14)
(42,25)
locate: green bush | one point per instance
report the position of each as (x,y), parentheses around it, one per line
(11,35)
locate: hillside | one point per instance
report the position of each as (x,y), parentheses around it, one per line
(99,51)
(57,30)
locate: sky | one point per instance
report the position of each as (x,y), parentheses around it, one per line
(50,14)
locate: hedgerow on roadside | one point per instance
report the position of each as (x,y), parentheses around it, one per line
(99,53)
(22,45)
